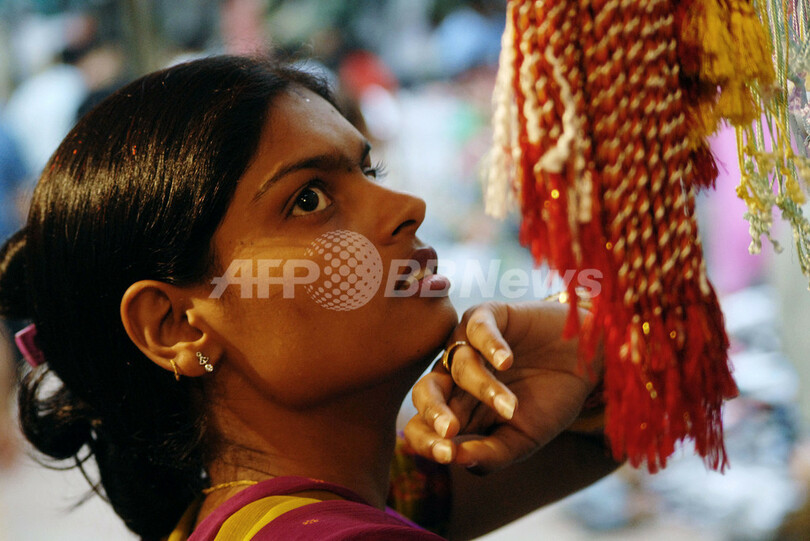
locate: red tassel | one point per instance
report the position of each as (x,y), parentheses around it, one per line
(657,321)
(705,167)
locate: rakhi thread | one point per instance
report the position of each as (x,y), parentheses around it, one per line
(601,112)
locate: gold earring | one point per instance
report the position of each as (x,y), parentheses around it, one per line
(176,372)
(205,362)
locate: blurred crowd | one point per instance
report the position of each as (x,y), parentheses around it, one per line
(61,58)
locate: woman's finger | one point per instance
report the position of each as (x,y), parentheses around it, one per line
(473,416)
(423,439)
(483,330)
(492,453)
(431,396)
(463,405)
(470,373)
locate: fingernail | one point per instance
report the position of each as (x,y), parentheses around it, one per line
(500,357)
(505,405)
(443,452)
(442,424)
(472,464)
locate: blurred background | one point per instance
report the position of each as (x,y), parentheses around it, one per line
(416,76)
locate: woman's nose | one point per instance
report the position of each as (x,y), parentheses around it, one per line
(397,214)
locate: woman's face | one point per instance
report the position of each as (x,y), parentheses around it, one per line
(312,175)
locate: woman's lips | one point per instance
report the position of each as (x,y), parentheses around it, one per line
(425,277)
(434,282)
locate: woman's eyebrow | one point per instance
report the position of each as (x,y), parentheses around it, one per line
(324,162)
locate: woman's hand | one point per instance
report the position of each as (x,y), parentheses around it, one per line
(486,419)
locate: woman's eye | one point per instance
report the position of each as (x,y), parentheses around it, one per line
(310,199)
(377,172)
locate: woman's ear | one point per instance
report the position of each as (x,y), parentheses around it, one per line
(155,316)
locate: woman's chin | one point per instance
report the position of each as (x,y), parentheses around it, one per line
(436,333)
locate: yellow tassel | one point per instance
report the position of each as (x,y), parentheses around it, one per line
(695,140)
(703,121)
(696,134)
(744,192)
(707,28)
(804,171)
(737,104)
(707,119)
(752,55)
(794,191)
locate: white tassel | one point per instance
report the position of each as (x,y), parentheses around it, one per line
(505,152)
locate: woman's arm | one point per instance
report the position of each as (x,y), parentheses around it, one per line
(482,503)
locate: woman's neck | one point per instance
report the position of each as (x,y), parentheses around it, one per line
(349,441)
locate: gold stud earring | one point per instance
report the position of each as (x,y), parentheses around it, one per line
(176,372)
(205,362)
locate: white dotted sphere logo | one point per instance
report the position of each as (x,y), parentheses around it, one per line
(351,270)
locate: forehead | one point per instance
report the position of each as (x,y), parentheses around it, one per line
(301,123)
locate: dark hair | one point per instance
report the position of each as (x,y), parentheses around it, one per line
(135,191)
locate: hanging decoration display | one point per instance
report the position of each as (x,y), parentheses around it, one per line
(602,109)
(775,169)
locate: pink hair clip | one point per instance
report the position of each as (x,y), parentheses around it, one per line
(26,341)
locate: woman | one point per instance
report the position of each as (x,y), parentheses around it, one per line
(173,389)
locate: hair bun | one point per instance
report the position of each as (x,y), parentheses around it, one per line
(58,424)
(13,296)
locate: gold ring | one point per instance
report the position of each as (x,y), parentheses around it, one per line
(447,358)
